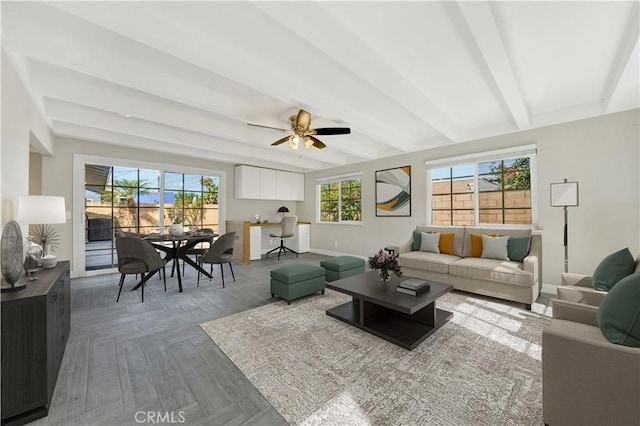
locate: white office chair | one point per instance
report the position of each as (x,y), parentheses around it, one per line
(288,227)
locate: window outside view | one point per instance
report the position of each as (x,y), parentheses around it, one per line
(128,199)
(503,193)
(341,201)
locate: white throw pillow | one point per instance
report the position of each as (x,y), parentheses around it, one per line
(430,242)
(495,247)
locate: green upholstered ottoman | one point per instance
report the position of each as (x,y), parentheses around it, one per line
(342,267)
(294,281)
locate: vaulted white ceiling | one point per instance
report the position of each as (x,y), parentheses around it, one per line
(404,76)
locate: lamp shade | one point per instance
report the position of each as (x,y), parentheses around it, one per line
(41,209)
(283,209)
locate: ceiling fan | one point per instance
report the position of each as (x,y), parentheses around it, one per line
(302,134)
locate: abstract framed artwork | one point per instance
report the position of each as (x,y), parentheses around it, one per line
(393,192)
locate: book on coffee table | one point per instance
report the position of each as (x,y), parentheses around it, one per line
(413,283)
(413,292)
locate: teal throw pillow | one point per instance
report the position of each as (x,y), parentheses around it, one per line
(417,240)
(518,248)
(612,269)
(619,312)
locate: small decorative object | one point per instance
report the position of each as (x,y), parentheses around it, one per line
(393,192)
(33,254)
(47,237)
(12,256)
(257,216)
(385,263)
(177,228)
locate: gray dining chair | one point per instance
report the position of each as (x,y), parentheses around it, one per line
(138,256)
(287,230)
(201,247)
(221,252)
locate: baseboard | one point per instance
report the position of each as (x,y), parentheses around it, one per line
(550,289)
(335,253)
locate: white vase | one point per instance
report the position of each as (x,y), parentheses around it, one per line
(176,230)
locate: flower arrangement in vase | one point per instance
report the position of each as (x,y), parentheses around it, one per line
(385,263)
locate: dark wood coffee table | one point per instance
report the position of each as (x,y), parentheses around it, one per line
(379,309)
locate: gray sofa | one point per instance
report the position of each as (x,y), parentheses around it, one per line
(515,281)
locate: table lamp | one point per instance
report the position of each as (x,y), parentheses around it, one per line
(283,210)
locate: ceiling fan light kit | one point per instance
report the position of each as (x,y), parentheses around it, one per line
(302,134)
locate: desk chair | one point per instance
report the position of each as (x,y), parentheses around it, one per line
(137,256)
(288,227)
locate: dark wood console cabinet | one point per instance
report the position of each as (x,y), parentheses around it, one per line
(35,329)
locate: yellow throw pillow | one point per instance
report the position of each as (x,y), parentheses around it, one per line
(476,244)
(446,243)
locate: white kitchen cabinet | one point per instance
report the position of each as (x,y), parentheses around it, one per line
(301,241)
(267,184)
(255,241)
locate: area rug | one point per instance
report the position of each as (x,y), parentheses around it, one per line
(481,368)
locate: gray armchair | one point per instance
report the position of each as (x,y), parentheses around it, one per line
(586,379)
(579,289)
(137,256)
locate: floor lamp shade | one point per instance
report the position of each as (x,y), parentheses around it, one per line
(41,209)
(565,194)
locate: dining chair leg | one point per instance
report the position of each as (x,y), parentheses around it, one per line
(142,286)
(222,273)
(164,275)
(234,277)
(120,291)
(199,275)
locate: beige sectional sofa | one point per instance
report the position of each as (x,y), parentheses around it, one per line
(504,279)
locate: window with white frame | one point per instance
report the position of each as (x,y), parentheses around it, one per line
(492,189)
(339,199)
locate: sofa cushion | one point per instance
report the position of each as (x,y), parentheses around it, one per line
(466,251)
(495,247)
(619,312)
(503,271)
(518,248)
(416,241)
(446,243)
(427,261)
(429,242)
(458,238)
(476,244)
(612,269)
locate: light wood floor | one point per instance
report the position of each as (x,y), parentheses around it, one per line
(127,357)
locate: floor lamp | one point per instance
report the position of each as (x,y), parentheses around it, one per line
(565,194)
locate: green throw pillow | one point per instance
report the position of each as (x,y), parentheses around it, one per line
(612,269)
(619,312)
(417,240)
(518,248)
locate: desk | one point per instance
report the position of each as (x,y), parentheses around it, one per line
(177,250)
(253,239)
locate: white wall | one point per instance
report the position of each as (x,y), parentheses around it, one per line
(602,154)
(57,175)
(22,124)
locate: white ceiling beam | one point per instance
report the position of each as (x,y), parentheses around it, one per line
(360,60)
(630,39)
(76,131)
(229,60)
(487,41)
(181,139)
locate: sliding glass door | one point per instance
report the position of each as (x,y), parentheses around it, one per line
(142,201)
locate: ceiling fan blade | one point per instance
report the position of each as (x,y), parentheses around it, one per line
(279,141)
(333,131)
(303,120)
(317,142)
(267,127)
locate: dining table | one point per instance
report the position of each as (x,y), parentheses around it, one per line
(178,249)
